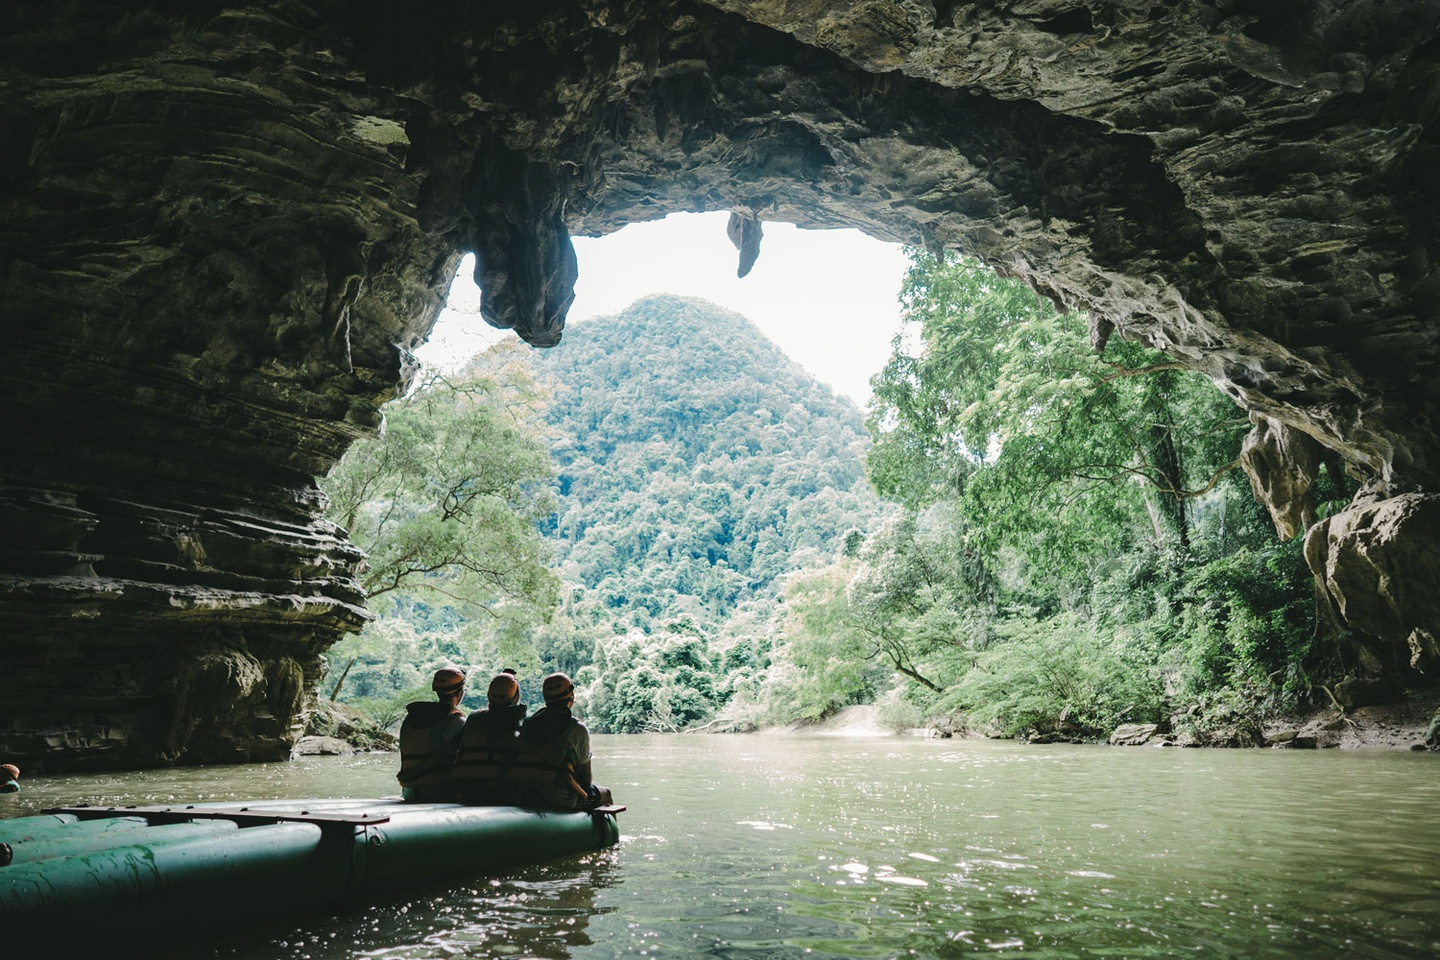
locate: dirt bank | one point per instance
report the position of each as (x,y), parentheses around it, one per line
(856,721)
(1393,726)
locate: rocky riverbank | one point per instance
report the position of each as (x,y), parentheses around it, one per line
(337,730)
(1399,726)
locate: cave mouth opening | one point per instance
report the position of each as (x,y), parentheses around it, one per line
(828,298)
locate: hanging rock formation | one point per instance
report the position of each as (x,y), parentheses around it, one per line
(745,232)
(223,227)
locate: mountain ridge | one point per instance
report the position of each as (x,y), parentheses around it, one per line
(697,463)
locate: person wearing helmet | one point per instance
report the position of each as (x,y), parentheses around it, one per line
(487,746)
(555,753)
(9,778)
(428,739)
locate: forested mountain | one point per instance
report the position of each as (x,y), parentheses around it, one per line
(696,463)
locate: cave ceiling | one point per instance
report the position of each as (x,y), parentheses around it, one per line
(223,228)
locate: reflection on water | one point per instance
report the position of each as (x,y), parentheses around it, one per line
(544,912)
(792,847)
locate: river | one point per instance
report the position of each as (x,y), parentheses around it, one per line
(805,847)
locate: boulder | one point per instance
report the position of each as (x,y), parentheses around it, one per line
(1379,564)
(323,747)
(1353,692)
(1134,734)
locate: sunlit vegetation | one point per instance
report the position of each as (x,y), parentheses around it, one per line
(1107,554)
(1022,536)
(447,504)
(695,469)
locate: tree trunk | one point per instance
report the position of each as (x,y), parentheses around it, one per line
(335,690)
(1165,459)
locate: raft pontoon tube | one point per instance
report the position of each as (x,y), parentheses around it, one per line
(176,872)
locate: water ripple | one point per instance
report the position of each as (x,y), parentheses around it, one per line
(781,848)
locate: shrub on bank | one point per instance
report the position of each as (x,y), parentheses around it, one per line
(1058,676)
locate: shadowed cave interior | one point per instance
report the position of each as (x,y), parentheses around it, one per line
(224,228)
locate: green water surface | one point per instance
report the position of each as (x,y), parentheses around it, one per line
(782,846)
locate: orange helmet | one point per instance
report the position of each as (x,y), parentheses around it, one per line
(557,687)
(504,690)
(11,771)
(448,680)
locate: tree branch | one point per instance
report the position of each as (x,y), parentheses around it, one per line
(1122,371)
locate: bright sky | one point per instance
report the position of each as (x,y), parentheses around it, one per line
(828,298)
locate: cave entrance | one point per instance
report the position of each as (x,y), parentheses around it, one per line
(828,298)
(1061,540)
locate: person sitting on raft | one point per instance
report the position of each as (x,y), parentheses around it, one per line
(11,775)
(487,746)
(556,746)
(428,738)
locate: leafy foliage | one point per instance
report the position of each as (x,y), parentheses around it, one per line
(921,594)
(1070,546)
(825,660)
(446,503)
(652,684)
(1110,539)
(1060,676)
(995,400)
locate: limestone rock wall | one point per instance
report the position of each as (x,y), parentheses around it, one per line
(221,228)
(211,270)
(1378,562)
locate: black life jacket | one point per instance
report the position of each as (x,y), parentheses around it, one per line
(487,744)
(426,742)
(540,754)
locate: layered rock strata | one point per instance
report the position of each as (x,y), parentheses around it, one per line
(211,272)
(223,228)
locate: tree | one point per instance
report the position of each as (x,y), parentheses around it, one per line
(447,502)
(658,683)
(1096,508)
(994,400)
(1061,677)
(921,598)
(824,659)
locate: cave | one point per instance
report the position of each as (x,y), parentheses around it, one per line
(226,227)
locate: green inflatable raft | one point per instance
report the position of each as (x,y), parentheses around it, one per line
(179,872)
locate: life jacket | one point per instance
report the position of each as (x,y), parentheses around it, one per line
(487,744)
(540,760)
(426,740)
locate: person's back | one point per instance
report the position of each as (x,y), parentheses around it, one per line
(487,746)
(556,747)
(428,739)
